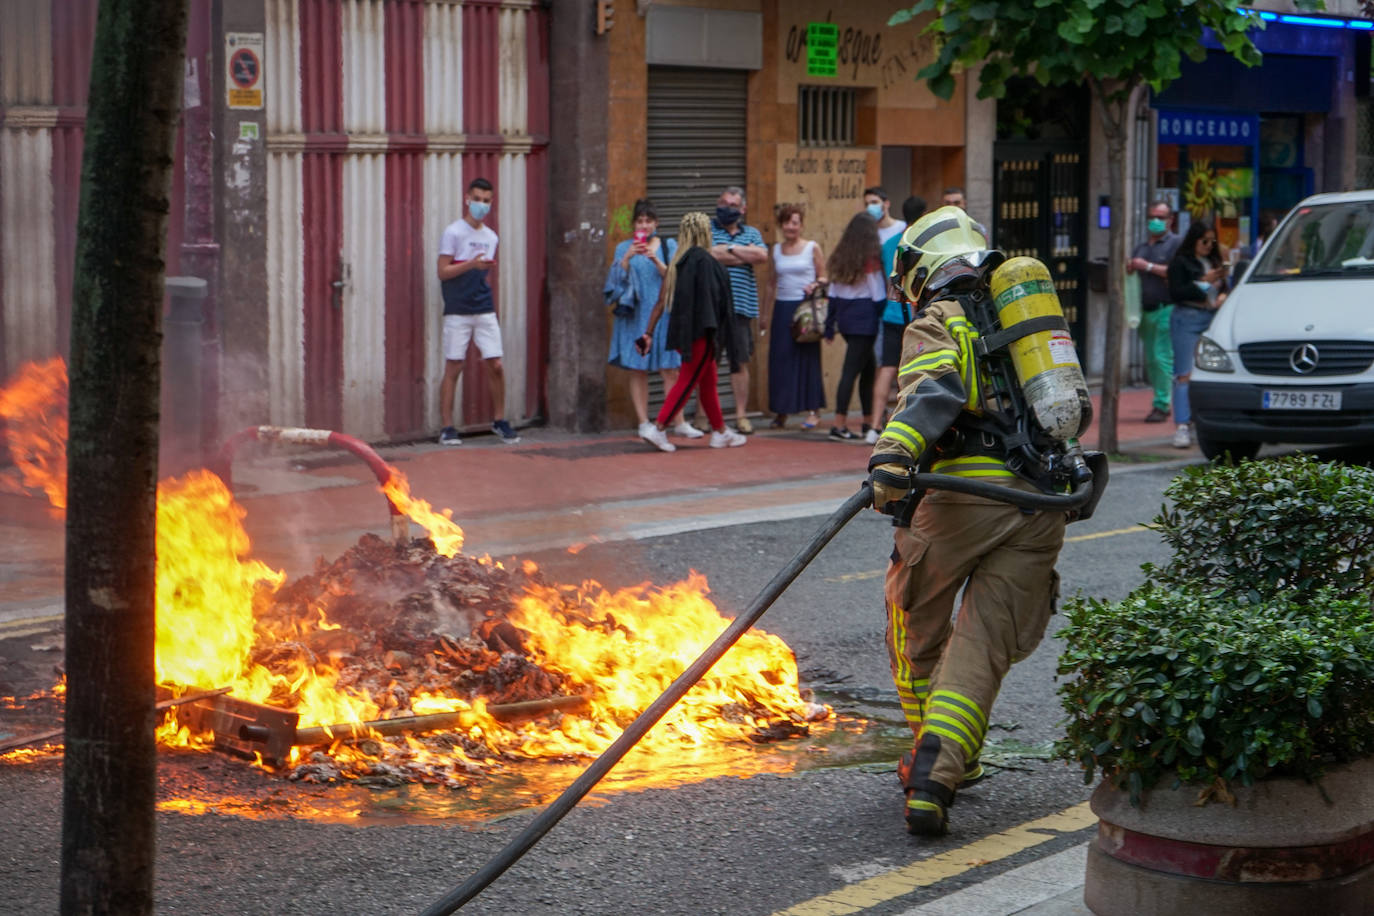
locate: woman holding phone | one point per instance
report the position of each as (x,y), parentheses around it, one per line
(632,287)
(1197,284)
(696,294)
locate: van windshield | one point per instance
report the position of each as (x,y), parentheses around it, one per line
(1326,240)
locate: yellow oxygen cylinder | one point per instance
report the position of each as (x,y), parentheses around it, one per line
(1046,362)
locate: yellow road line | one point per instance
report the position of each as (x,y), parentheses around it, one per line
(871,892)
(26,626)
(1105,534)
(879,573)
(20,634)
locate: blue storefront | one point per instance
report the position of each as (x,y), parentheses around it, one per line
(1242,145)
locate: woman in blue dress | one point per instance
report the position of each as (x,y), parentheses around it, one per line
(632,288)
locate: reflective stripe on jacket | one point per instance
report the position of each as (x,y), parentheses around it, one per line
(938,378)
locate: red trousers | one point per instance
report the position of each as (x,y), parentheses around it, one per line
(699,372)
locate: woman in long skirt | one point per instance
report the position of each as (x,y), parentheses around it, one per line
(794,369)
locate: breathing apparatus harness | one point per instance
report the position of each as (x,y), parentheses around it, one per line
(945,256)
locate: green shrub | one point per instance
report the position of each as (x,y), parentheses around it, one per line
(1251,652)
(1179,684)
(1288,526)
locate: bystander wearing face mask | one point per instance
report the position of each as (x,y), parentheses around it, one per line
(875,210)
(478,209)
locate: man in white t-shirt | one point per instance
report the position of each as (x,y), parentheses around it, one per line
(878,206)
(466,252)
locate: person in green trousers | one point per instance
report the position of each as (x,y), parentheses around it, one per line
(1151,260)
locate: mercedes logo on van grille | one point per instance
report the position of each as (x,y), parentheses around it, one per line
(1303,359)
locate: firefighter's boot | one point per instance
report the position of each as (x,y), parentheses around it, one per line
(974,772)
(927,802)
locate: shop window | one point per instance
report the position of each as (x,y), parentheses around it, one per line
(827,115)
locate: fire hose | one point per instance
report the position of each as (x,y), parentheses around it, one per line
(1082,497)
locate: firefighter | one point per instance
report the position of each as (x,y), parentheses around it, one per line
(947,673)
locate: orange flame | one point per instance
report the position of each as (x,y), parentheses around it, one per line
(625,647)
(34,408)
(443,531)
(619,649)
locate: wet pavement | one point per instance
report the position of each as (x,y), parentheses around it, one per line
(553,491)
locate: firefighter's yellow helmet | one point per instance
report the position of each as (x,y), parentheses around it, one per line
(930,242)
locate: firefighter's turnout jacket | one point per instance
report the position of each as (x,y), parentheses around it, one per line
(948,674)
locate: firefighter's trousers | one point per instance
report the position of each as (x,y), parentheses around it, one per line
(948,673)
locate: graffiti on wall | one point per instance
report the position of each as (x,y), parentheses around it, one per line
(828,184)
(867,52)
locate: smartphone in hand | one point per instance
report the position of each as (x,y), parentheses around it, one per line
(642,345)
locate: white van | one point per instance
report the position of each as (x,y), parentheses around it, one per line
(1289,356)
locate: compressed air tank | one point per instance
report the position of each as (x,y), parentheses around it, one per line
(1046,361)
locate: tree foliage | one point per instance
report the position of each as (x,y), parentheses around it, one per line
(1116,47)
(1116,44)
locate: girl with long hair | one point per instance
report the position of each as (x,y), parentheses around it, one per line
(696,294)
(858,294)
(1197,285)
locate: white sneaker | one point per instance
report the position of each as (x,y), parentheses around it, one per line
(1183,436)
(656,437)
(727,439)
(871,437)
(687,431)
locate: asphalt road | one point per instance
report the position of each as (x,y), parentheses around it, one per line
(754,845)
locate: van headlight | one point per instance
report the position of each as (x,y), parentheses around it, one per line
(1211,357)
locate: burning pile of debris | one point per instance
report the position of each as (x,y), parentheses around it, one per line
(463,663)
(411,662)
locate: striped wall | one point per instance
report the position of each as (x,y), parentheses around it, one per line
(378,113)
(45,65)
(44,68)
(383,111)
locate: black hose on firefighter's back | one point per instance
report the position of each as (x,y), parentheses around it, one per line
(646,720)
(1023,499)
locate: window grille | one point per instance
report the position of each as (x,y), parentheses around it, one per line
(826,115)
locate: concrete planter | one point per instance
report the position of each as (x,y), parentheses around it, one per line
(1286,847)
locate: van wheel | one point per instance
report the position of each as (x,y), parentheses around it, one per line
(1214,450)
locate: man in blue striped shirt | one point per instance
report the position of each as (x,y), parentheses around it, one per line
(738,248)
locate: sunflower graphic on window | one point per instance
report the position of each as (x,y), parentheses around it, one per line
(1199,191)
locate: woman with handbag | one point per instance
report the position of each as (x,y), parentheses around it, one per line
(632,286)
(858,294)
(794,366)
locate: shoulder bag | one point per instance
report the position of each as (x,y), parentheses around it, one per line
(808,321)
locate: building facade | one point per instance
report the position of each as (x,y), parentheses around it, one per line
(324,146)
(805,102)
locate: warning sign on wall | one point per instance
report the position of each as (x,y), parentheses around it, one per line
(243,62)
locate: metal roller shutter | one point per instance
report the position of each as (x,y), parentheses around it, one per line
(696,147)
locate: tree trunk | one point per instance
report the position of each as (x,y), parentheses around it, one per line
(1113,110)
(109,777)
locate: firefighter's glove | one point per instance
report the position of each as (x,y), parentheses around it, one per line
(891,484)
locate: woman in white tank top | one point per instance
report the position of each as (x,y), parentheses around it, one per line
(794,370)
